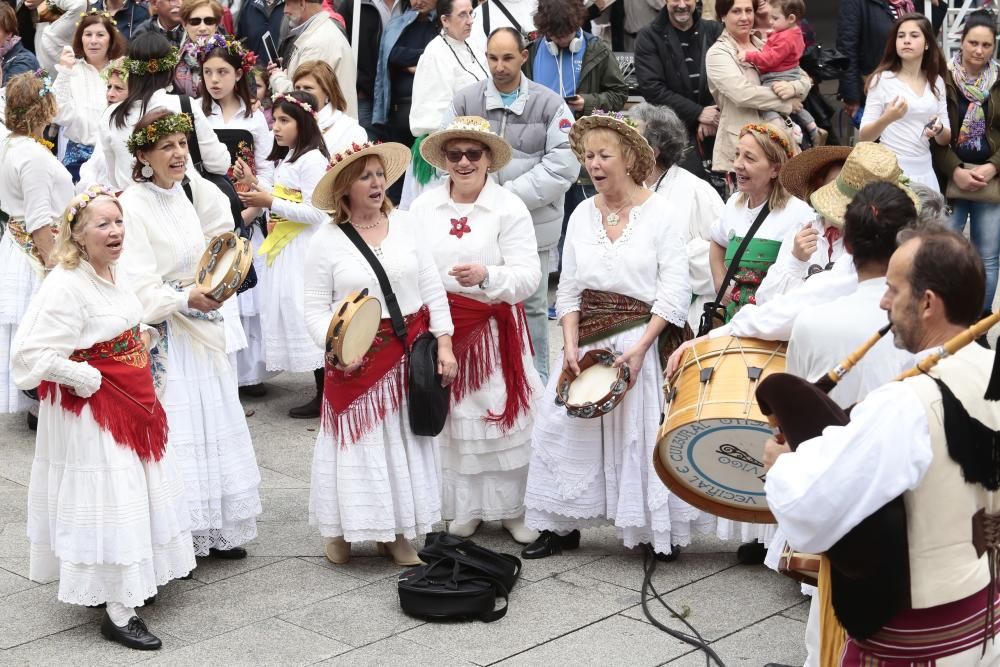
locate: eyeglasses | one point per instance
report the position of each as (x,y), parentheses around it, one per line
(464,16)
(473,155)
(197,20)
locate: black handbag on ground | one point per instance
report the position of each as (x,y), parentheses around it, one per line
(428,401)
(461,580)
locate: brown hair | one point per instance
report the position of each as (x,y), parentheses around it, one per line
(558,18)
(723,7)
(8,19)
(343,182)
(777,156)
(789,7)
(327,80)
(28,111)
(116,45)
(948,265)
(68,251)
(156,114)
(189,6)
(933,64)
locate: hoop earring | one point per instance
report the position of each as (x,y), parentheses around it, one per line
(146,171)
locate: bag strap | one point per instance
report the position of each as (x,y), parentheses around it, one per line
(193,147)
(454,572)
(395,314)
(505,11)
(186,184)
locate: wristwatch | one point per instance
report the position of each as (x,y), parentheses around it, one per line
(486,281)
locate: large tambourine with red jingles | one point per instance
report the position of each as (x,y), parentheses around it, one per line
(353,327)
(597,390)
(224,265)
(710,450)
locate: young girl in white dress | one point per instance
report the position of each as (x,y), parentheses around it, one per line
(907,106)
(298,144)
(339,130)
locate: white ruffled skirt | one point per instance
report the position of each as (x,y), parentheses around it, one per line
(211,441)
(594,472)
(18,282)
(110,527)
(250,366)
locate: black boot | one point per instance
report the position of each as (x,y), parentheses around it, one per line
(751,553)
(311,409)
(32,422)
(549,544)
(236,553)
(982,339)
(134,635)
(254,390)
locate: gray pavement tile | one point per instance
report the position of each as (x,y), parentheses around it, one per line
(799,612)
(10,484)
(342,618)
(538,612)
(82,645)
(16,565)
(626,570)
(705,544)
(18,452)
(287,453)
(613,640)
(775,639)
(365,564)
(285,505)
(211,570)
(14,539)
(728,601)
(270,479)
(231,603)
(396,651)
(36,613)
(285,539)
(493,536)
(267,642)
(13,503)
(12,583)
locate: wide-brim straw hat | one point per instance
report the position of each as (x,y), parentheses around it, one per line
(867,163)
(395,158)
(626,129)
(471,128)
(798,173)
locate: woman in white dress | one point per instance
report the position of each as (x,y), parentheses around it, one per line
(101,445)
(226,74)
(168,232)
(304,159)
(906,105)
(79,88)
(483,242)
(447,65)
(95,169)
(34,189)
(624,286)
(339,130)
(372,477)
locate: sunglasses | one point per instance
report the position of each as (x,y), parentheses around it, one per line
(473,155)
(208,20)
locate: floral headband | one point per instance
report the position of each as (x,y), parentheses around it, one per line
(43,76)
(616,115)
(771,134)
(88,196)
(115,68)
(299,103)
(355,148)
(94,11)
(165,64)
(177,123)
(232,46)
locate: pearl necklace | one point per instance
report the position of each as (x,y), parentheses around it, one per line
(371,226)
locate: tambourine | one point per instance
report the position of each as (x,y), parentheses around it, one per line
(353,327)
(597,390)
(224,265)
(800,566)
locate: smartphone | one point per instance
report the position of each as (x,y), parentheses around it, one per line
(272,52)
(570,98)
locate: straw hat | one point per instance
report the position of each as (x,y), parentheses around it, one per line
(797,174)
(868,163)
(395,158)
(626,129)
(472,128)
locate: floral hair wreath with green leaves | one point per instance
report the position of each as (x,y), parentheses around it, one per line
(115,68)
(94,11)
(177,123)
(771,134)
(233,47)
(154,66)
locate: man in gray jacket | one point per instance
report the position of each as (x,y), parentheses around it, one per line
(536,123)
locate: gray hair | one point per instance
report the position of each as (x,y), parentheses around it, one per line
(933,207)
(664,131)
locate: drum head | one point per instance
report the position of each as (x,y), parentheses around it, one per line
(592,384)
(361,330)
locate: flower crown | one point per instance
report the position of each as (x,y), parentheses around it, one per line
(233,47)
(470,124)
(771,134)
(173,124)
(43,76)
(88,196)
(115,68)
(165,64)
(616,115)
(337,158)
(299,103)
(94,11)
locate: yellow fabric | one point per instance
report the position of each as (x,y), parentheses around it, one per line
(831,635)
(284,231)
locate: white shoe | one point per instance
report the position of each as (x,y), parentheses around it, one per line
(464,528)
(521,533)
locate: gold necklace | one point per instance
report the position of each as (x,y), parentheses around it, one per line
(371,226)
(613,218)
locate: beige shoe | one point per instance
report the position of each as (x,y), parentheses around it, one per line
(521,533)
(401,552)
(464,528)
(338,551)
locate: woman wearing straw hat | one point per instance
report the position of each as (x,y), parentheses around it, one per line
(373,479)
(483,242)
(623,286)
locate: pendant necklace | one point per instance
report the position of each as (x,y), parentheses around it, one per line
(613,217)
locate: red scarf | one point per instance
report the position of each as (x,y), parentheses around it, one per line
(355,404)
(477,353)
(125,406)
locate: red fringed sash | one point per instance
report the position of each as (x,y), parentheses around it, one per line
(355,404)
(477,353)
(125,406)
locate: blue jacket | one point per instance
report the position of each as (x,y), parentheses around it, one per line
(129,17)
(254,21)
(383,95)
(18,61)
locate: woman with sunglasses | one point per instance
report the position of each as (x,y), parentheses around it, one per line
(483,242)
(200,19)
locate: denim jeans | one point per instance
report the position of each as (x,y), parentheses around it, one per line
(984,231)
(536,308)
(365,109)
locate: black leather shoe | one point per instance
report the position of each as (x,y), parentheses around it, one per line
(254,390)
(134,635)
(675,551)
(236,553)
(32,422)
(751,553)
(549,544)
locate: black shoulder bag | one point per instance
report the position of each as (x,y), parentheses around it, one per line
(428,400)
(251,280)
(714,310)
(505,11)
(220,181)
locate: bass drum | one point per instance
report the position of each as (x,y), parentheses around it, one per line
(710,449)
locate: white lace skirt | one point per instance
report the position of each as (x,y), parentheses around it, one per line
(593,472)
(727,529)
(249,362)
(108,526)
(383,485)
(287,344)
(18,282)
(211,441)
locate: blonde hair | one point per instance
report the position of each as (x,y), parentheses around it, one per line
(343,182)
(69,251)
(28,109)
(629,155)
(777,156)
